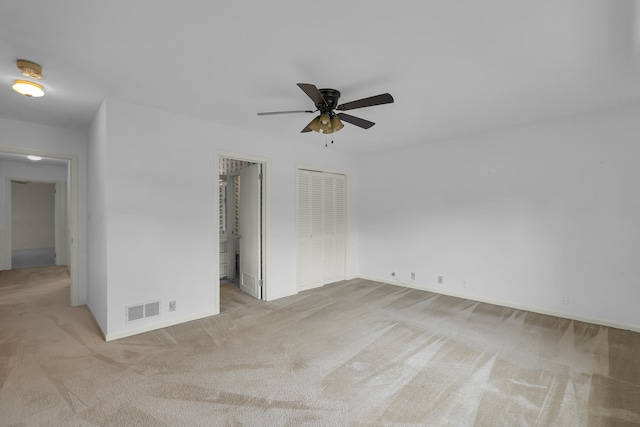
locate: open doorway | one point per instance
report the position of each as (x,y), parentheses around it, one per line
(50,169)
(242,211)
(35,224)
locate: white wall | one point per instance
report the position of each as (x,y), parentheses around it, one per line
(51,141)
(162,212)
(528,217)
(97,218)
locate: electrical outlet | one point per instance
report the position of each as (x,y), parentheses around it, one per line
(413,276)
(440,280)
(464,283)
(565,299)
(172,306)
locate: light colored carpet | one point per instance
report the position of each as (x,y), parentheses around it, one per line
(353,353)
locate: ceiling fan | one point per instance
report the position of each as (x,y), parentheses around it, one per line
(326,102)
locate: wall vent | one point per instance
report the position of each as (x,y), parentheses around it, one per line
(137,312)
(152,309)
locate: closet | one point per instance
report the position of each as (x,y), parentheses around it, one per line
(321,228)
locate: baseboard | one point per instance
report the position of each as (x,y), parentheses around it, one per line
(102,332)
(533,309)
(278,296)
(159,325)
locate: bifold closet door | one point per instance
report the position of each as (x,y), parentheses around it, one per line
(321,225)
(339,229)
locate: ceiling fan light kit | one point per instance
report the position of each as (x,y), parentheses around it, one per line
(315,125)
(325,125)
(326,102)
(25,87)
(336,124)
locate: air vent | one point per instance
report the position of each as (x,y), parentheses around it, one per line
(152,309)
(137,312)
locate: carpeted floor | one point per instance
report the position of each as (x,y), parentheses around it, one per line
(352,353)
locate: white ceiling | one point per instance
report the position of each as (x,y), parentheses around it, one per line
(454,67)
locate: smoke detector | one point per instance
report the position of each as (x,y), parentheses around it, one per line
(30,69)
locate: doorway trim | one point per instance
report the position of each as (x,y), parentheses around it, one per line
(72,195)
(266,215)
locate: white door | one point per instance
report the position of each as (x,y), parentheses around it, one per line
(251,231)
(303,221)
(321,228)
(340,228)
(317,236)
(310,230)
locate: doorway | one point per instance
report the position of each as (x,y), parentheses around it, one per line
(67,211)
(242,224)
(34,224)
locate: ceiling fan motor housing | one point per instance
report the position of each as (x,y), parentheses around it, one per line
(331,96)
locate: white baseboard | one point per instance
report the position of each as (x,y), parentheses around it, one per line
(278,296)
(539,310)
(102,332)
(159,325)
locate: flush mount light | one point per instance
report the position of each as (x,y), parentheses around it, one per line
(28,89)
(29,69)
(34,158)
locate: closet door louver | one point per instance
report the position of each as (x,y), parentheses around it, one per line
(321,228)
(329,235)
(340,243)
(317,232)
(303,221)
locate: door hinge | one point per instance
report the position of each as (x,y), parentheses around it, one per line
(260,283)
(260,176)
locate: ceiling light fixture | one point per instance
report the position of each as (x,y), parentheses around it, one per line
(25,87)
(315,124)
(336,124)
(30,69)
(326,124)
(28,89)
(34,158)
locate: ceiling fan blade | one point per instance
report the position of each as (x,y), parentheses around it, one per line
(307,128)
(365,124)
(313,93)
(384,98)
(271,113)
